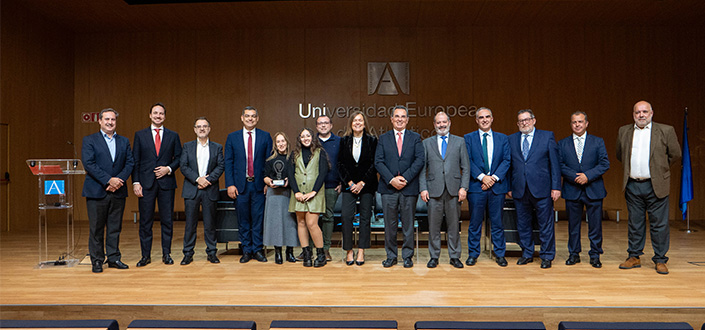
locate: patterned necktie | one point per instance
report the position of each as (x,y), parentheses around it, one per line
(250,163)
(157,141)
(444,146)
(399,143)
(525,146)
(485,155)
(580,149)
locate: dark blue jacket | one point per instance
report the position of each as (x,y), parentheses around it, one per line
(100,167)
(389,164)
(594,164)
(541,171)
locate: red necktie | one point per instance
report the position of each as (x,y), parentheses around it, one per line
(157,141)
(399,143)
(250,163)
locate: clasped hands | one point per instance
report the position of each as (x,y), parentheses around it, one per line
(114,184)
(303,198)
(398,182)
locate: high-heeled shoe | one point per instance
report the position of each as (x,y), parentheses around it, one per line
(360,263)
(349,262)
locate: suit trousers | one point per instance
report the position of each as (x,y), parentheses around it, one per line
(105,215)
(349,208)
(396,206)
(641,200)
(544,212)
(191,207)
(327,220)
(165,198)
(445,207)
(481,203)
(250,217)
(575,214)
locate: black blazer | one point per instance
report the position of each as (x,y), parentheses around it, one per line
(189,168)
(364,170)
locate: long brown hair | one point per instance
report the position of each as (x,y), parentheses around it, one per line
(348,128)
(275,151)
(315,143)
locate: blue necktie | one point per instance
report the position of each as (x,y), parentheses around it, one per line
(444,146)
(485,155)
(525,146)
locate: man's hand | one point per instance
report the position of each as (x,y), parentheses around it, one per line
(555,195)
(232,192)
(338,188)
(488,181)
(161,171)
(581,178)
(137,189)
(203,183)
(115,183)
(509,194)
(398,182)
(424,196)
(462,194)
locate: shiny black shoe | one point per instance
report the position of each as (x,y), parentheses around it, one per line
(321,259)
(246,257)
(455,262)
(502,262)
(389,263)
(167,259)
(572,260)
(290,254)
(212,258)
(117,264)
(259,256)
(186,260)
(595,262)
(433,263)
(524,261)
(471,261)
(408,262)
(545,263)
(359,263)
(97,266)
(278,259)
(144,261)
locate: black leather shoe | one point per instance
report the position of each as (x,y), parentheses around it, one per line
(349,262)
(408,263)
(524,261)
(433,263)
(595,262)
(572,260)
(246,256)
(278,259)
(502,262)
(290,254)
(118,264)
(186,260)
(455,262)
(259,256)
(471,261)
(144,261)
(167,259)
(545,263)
(213,259)
(389,263)
(359,263)
(97,266)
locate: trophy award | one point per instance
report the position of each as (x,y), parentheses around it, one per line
(278,169)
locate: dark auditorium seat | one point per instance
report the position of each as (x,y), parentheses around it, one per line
(455,325)
(348,325)
(164,324)
(624,326)
(59,324)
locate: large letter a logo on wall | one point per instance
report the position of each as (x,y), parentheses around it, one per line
(387,78)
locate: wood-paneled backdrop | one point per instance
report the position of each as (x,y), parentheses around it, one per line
(554,70)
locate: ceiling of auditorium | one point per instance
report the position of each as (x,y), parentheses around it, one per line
(94,16)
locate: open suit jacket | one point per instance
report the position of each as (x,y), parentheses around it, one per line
(146,158)
(389,164)
(541,171)
(501,160)
(594,164)
(100,166)
(236,159)
(665,150)
(364,169)
(450,173)
(189,168)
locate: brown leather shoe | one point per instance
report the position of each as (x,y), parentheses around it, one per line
(328,257)
(661,268)
(631,262)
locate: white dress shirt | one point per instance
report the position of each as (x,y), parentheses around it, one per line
(490,151)
(641,149)
(202,157)
(357,148)
(575,144)
(245,136)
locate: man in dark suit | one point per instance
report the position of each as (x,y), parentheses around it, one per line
(399,159)
(202,165)
(583,162)
(108,161)
(647,150)
(489,182)
(245,153)
(536,184)
(157,152)
(444,185)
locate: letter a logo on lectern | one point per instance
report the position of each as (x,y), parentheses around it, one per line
(54,187)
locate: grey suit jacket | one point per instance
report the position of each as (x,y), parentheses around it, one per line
(450,173)
(665,150)
(189,168)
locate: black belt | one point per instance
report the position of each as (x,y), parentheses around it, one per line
(639,180)
(250,179)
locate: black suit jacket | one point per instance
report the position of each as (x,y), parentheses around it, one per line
(146,158)
(189,168)
(363,170)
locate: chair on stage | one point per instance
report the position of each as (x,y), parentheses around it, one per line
(624,326)
(456,325)
(60,324)
(347,325)
(186,325)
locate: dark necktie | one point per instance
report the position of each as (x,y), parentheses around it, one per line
(250,162)
(485,155)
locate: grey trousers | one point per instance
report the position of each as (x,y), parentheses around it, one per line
(437,207)
(640,201)
(395,205)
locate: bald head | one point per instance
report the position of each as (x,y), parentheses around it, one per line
(642,113)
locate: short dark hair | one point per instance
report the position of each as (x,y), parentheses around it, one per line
(399,106)
(327,116)
(579,113)
(160,104)
(525,111)
(201,118)
(100,116)
(250,108)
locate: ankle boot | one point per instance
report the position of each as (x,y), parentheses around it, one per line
(290,254)
(307,257)
(320,258)
(278,255)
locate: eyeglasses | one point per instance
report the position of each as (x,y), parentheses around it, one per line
(323,123)
(525,121)
(202,126)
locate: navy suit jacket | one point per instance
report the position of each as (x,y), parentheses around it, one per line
(594,164)
(236,159)
(501,161)
(146,159)
(389,164)
(541,171)
(189,168)
(100,167)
